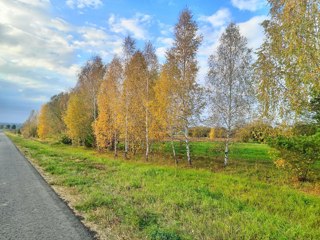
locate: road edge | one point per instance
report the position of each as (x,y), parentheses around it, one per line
(37,170)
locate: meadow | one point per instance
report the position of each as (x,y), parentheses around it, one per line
(133,199)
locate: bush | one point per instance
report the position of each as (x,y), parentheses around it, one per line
(257,131)
(219,132)
(198,132)
(65,140)
(298,153)
(303,129)
(89,141)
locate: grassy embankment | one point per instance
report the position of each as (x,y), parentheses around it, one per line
(135,200)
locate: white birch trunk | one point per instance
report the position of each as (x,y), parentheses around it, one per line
(226,151)
(126,145)
(147,125)
(186,131)
(115,144)
(126,140)
(147,136)
(94,108)
(174,151)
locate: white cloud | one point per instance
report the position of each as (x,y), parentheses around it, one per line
(161,53)
(167,41)
(163,44)
(211,27)
(251,5)
(219,18)
(84,3)
(60,25)
(34,49)
(96,40)
(36,3)
(165,29)
(137,26)
(253,31)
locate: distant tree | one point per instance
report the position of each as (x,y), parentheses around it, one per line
(13,127)
(8,126)
(29,128)
(44,118)
(57,108)
(51,122)
(199,132)
(229,80)
(1,126)
(78,119)
(255,131)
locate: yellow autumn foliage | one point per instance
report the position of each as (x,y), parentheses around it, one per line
(44,128)
(78,118)
(212,134)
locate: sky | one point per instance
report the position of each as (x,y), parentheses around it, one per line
(44,43)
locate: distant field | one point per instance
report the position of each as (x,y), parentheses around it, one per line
(250,199)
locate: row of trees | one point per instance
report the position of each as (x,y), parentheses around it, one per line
(133,101)
(8,126)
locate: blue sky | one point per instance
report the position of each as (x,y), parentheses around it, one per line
(43,43)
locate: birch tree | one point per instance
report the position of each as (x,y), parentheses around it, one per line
(89,81)
(82,106)
(29,127)
(78,119)
(164,107)
(152,65)
(129,49)
(183,55)
(134,87)
(288,66)
(44,128)
(107,125)
(50,120)
(230,81)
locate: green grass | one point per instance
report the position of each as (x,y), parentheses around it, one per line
(135,200)
(238,151)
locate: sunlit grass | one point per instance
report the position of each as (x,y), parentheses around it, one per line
(136,200)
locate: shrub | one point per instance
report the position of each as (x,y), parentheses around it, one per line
(65,140)
(257,131)
(298,153)
(198,132)
(89,141)
(304,129)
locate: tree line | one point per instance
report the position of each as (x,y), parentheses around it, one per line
(8,126)
(134,101)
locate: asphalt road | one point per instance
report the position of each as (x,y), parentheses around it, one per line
(29,208)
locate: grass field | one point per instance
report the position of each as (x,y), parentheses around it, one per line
(250,199)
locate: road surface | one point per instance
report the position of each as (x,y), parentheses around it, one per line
(29,208)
